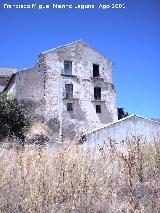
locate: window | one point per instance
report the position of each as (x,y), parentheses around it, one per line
(97,93)
(69,107)
(112,85)
(69,90)
(95,70)
(68,67)
(98,108)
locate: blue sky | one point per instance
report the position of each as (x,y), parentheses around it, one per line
(130,37)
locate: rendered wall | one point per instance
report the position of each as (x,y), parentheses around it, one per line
(30,89)
(125,128)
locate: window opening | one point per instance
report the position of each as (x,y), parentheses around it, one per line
(98,108)
(95,70)
(68,67)
(69,107)
(69,90)
(97,93)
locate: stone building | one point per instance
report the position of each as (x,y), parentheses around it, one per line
(6,75)
(70,89)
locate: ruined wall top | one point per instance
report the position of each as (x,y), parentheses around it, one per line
(78,42)
(7,71)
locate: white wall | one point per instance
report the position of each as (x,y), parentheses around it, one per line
(125,128)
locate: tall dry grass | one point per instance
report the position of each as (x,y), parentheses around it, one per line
(82,180)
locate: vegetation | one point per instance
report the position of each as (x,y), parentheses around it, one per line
(122,113)
(81,180)
(13,118)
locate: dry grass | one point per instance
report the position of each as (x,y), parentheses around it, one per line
(81,180)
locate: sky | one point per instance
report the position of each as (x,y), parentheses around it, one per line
(130,37)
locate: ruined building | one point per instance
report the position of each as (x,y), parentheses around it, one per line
(70,89)
(5,76)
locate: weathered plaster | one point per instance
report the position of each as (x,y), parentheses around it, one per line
(84,116)
(123,129)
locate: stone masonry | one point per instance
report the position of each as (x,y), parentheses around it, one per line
(70,89)
(5,76)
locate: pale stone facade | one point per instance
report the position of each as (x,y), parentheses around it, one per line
(70,89)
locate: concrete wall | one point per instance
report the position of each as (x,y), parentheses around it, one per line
(125,128)
(84,116)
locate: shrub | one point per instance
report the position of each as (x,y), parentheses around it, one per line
(13,117)
(122,113)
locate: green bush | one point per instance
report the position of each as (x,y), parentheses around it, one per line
(122,113)
(14,120)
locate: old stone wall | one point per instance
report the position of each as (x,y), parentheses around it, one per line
(8,71)
(83,117)
(3,82)
(43,90)
(5,74)
(29,86)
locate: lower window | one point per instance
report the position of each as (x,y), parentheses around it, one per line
(98,108)
(69,107)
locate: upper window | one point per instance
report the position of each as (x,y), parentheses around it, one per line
(97,93)
(69,90)
(68,67)
(95,70)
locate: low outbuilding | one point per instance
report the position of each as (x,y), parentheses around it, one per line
(121,130)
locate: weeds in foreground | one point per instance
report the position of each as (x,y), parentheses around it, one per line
(82,180)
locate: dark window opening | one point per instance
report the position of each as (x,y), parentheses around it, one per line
(112,85)
(95,70)
(98,108)
(69,90)
(69,107)
(68,67)
(97,93)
